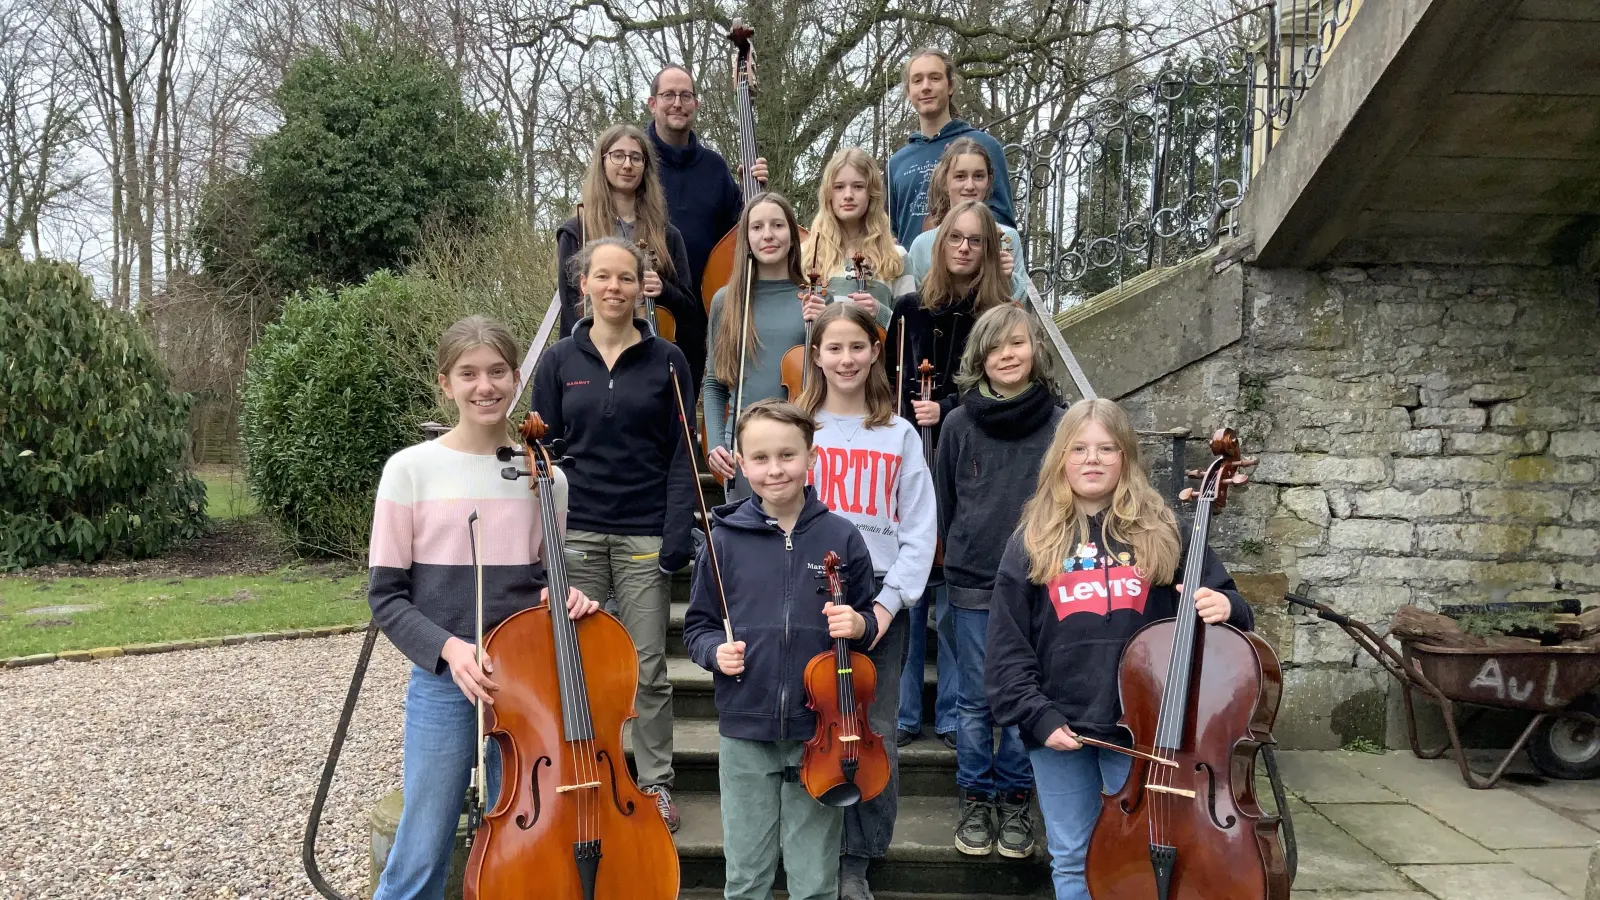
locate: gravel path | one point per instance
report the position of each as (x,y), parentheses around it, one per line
(190,774)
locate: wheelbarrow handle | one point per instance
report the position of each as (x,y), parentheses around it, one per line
(1322,610)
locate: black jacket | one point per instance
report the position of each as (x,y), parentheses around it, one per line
(988,466)
(939,337)
(677,294)
(703,200)
(1053,650)
(630,470)
(776,591)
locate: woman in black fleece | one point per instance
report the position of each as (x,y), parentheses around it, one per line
(1096,558)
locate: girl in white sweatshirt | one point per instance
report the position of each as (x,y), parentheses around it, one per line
(871,469)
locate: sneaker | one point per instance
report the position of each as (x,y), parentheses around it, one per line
(854,887)
(664,804)
(1016,824)
(975,832)
(903,737)
(948,738)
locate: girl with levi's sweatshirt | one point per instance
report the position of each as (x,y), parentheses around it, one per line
(1097,557)
(422,592)
(870,470)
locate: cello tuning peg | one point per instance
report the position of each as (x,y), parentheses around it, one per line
(506,454)
(1241,478)
(1248,462)
(1186,494)
(1195,474)
(512,473)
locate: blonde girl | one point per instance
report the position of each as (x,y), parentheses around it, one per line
(851,218)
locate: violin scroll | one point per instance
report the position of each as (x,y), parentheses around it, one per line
(830,571)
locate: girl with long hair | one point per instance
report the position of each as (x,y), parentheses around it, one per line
(767,260)
(421,590)
(1053,649)
(870,469)
(964,172)
(622,197)
(852,218)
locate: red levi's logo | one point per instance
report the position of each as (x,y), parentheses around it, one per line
(1098,591)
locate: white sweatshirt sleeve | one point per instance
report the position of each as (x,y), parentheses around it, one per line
(907,577)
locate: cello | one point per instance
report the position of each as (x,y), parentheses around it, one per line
(844,763)
(1203,700)
(719,265)
(570,824)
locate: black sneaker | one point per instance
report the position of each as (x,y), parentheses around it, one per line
(975,831)
(948,738)
(1016,824)
(903,737)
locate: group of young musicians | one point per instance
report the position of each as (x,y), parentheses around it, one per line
(1034,507)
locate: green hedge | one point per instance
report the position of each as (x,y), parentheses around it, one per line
(92,435)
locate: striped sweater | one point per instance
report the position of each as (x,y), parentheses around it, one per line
(421,586)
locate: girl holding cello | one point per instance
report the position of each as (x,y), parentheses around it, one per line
(870,469)
(1053,650)
(964,172)
(608,392)
(422,592)
(852,223)
(756,318)
(622,197)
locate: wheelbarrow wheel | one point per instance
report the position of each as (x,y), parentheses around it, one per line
(1566,747)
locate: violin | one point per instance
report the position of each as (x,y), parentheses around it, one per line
(925,393)
(1202,700)
(794,369)
(861,272)
(661,321)
(719,265)
(570,823)
(844,762)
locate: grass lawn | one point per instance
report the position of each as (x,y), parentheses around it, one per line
(138,611)
(226,494)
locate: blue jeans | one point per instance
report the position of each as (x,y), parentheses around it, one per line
(441,728)
(1070,784)
(944,702)
(980,767)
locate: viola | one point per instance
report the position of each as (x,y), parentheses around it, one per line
(861,272)
(570,824)
(719,265)
(925,393)
(844,762)
(661,321)
(794,370)
(1202,700)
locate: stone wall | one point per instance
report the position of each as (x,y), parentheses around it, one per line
(1427,435)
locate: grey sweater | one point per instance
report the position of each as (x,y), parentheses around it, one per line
(775,306)
(988,466)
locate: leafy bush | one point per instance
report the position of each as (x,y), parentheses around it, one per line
(92,435)
(341,381)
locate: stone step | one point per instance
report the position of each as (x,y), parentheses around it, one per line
(922,861)
(692,696)
(927,766)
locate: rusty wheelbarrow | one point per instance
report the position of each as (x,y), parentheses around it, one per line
(1554,683)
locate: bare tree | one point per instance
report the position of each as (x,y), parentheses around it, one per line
(40,128)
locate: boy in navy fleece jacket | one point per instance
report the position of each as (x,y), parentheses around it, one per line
(771,546)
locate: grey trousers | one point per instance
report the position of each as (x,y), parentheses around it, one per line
(597,565)
(869,826)
(763,815)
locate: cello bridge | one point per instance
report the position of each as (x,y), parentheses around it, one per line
(849,737)
(562,789)
(1163,789)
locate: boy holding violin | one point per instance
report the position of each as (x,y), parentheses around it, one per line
(755,629)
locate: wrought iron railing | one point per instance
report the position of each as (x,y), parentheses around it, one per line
(1152,176)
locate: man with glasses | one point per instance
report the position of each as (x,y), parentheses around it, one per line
(930,84)
(703,200)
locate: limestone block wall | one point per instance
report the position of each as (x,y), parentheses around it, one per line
(1427,435)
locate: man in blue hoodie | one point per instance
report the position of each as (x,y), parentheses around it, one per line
(930,86)
(703,200)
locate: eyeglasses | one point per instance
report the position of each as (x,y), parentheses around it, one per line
(1105,453)
(622,157)
(954,240)
(670,97)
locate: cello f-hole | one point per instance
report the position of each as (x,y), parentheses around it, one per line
(524,821)
(1211,796)
(624,807)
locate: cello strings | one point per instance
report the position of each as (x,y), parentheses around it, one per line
(569,679)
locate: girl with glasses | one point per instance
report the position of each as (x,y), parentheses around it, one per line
(851,218)
(622,197)
(964,172)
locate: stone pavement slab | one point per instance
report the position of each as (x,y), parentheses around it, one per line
(1400,833)
(1565,869)
(1501,881)
(1331,860)
(1500,819)
(1323,777)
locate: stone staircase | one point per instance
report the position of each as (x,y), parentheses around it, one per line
(922,863)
